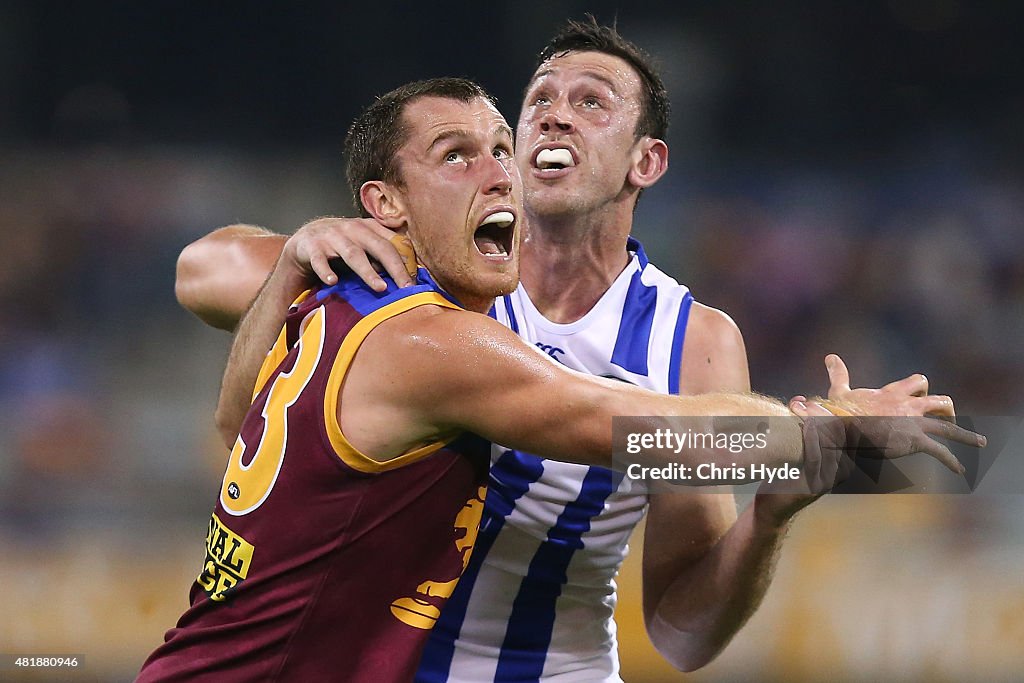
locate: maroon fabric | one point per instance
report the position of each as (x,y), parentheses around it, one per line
(332,550)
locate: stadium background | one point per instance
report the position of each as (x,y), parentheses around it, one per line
(844,177)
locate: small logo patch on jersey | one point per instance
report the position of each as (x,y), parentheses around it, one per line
(228,557)
(550,349)
(233,491)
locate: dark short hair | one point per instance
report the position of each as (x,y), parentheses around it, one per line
(377,134)
(590,36)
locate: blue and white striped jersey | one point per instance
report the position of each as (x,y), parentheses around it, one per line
(537,599)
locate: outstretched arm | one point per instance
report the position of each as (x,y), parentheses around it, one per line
(260,326)
(431,372)
(219,275)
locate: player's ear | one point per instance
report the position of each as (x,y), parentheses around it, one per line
(650,161)
(383,201)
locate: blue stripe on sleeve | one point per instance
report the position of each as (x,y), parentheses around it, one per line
(678,337)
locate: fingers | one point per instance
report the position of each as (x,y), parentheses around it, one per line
(359,263)
(322,268)
(403,246)
(393,251)
(937,405)
(798,405)
(915,385)
(371,240)
(384,251)
(355,241)
(921,441)
(838,375)
(954,432)
(804,408)
(942,454)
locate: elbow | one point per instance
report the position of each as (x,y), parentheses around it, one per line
(184,277)
(687,651)
(692,661)
(688,658)
(195,286)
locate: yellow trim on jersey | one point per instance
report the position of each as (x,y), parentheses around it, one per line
(276,354)
(348,453)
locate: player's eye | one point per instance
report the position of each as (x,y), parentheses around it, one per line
(454,157)
(541,101)
(502,153)
(591,102)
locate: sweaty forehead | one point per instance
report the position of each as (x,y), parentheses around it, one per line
(613,70)
(428,116)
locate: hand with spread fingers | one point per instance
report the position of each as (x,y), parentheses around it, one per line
(355,241)
(899,419)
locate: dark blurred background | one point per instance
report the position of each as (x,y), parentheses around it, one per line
(845,177)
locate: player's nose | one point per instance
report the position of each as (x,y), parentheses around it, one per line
(499,177)
(555,120)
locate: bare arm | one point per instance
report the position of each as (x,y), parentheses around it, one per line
(256,333)
(705,576)
(704,571)
(432,372)
(219,275)
(293,264)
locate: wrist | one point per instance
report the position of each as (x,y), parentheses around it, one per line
(837,407)
(290,273)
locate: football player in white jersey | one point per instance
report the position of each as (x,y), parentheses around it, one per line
(536,602)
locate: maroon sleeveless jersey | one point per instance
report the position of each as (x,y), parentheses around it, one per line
(322,564)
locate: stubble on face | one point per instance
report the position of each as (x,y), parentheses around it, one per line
(448,186)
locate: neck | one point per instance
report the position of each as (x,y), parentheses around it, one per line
(466,300)
(568,264)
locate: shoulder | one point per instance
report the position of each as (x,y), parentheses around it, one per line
(711,329)
(714,356)
(434,338)
(427,321)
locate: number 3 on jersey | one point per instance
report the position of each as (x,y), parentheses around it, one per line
(246,486)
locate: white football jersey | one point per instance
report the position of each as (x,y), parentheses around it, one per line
(537,599)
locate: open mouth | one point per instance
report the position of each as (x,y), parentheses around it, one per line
(554,159)
(494,236)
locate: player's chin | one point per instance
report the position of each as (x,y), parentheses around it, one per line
(498,279)
(553,201)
